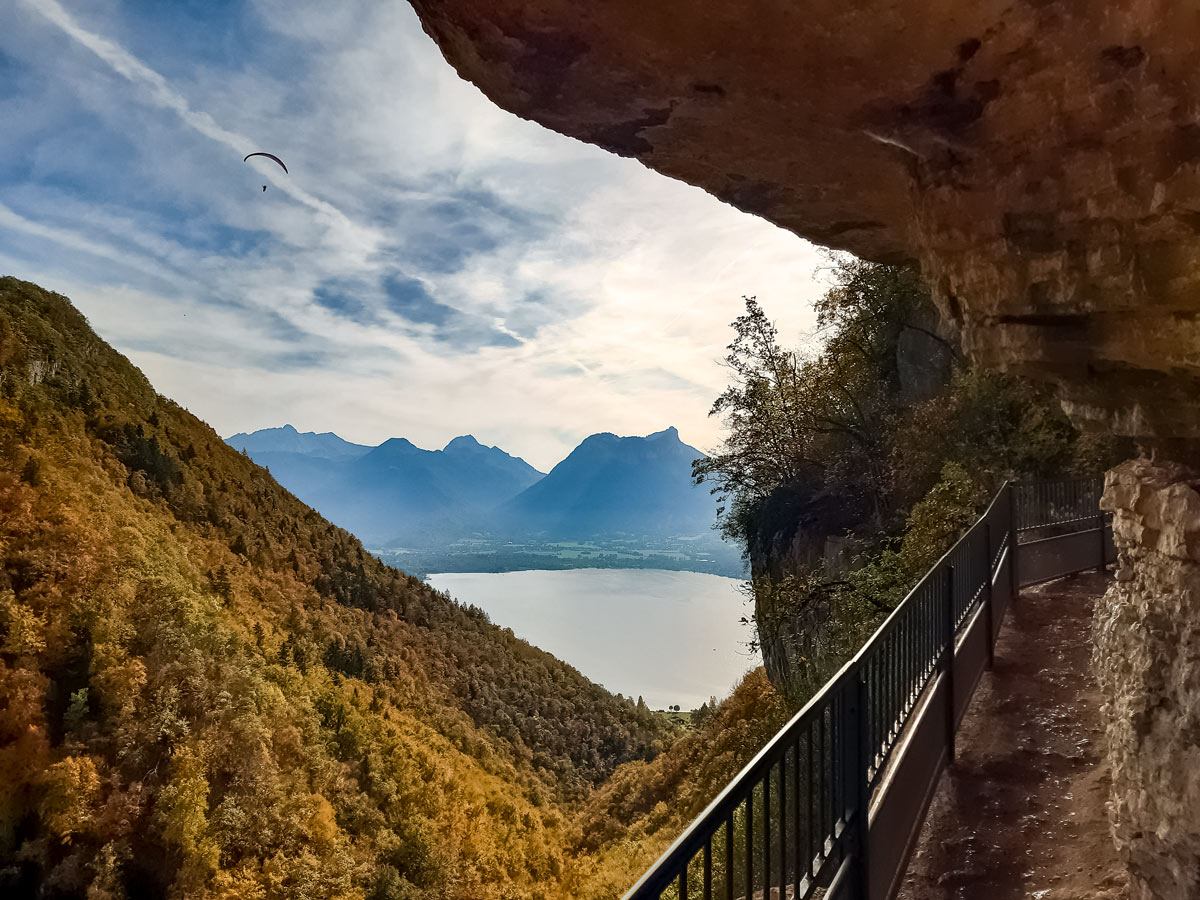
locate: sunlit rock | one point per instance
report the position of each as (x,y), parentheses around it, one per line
(1147,657)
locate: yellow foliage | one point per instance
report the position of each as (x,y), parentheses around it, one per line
(118,678)
(23,630)
(183,816)
(70,790)
(242,883)
(322,824)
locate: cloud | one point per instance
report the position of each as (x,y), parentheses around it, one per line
(433,266)
(156,90)
(408,297)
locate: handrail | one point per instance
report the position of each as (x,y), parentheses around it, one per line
(718,810)
(817,783)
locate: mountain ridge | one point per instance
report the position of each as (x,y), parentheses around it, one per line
(609,485)
(394,491)
(287,438)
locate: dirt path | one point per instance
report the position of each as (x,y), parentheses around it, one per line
(1021,814)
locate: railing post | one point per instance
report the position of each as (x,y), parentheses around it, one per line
(858,794)
(948,661)
(988,621)
(1014,577)
(1103,544)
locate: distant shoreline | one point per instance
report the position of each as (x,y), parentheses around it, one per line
(422,564)
(646,569)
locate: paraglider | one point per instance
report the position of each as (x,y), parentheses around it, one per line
(268,156)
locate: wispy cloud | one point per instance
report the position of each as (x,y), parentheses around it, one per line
(159,92)
(432,266)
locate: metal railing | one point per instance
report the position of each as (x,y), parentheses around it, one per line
(836,799)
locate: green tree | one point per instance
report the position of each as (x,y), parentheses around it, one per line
(848,470)
(824,421)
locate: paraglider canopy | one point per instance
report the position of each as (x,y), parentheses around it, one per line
(268,156)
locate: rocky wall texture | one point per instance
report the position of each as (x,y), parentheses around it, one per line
(1147,657)
(1039,158)
(791,539)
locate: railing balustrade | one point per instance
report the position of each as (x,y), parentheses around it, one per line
(836,799)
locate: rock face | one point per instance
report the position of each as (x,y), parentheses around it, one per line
(1147,656)
(803,531)
(797,534)
(1040,158)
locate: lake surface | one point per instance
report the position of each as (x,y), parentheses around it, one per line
(672,637)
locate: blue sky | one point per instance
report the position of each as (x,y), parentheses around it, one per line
(432,266)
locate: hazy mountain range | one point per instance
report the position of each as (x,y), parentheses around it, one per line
(399,494)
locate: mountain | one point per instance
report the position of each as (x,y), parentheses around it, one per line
(287,439)
(400,493)
(465,476)
(207,689)
(396,492)
(301,461)
(616,485)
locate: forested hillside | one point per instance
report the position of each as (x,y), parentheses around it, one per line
(640,811)
(207,690)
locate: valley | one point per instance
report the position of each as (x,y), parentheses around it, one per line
(210,690)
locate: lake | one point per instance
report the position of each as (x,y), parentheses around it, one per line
(671,637)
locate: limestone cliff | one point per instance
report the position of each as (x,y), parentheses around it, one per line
(793,533)
(1040,159)
(808,529)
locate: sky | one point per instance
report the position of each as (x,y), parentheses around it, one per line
(432,265)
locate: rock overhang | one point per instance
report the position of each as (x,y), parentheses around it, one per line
(1040,158)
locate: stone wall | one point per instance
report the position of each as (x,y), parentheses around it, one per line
(1147,658)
